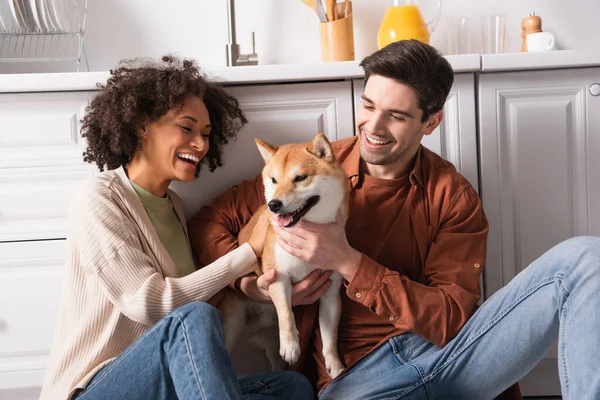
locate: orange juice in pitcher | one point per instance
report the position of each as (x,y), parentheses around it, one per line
(403,20)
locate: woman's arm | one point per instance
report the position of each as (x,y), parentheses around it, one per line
(110,249)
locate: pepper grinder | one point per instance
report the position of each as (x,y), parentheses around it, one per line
(531,24)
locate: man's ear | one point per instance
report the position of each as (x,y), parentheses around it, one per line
(433,122)
(321,147)
(266,150)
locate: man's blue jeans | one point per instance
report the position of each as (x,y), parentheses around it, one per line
(556,297)
(183,357)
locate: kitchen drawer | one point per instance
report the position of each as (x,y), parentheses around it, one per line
(41,129)
(30,285)
(34,201)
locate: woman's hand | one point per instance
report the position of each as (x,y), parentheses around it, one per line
(307,291)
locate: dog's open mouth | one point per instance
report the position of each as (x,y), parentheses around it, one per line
(290,219)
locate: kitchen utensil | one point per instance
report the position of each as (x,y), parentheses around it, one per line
(403,20)
(494,34)
(335,10)
(329,4)
(344,9)
(320,11)
(311,4)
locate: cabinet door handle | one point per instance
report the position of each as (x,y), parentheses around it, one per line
(595,89)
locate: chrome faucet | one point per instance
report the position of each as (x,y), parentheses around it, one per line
(233,49)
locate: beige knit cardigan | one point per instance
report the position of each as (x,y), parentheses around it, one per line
(119,281)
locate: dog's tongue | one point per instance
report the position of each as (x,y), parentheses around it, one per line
(284,219)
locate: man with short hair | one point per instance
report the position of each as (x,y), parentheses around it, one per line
(411,254)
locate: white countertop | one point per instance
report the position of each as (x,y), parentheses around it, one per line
(233,75)
(467,63)
(541,60)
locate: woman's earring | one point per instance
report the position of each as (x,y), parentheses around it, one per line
(143,134)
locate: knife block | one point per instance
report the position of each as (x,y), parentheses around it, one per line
(337,40)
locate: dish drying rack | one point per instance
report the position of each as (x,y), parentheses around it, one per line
(43,31)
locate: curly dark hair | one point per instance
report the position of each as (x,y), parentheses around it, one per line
(141,91)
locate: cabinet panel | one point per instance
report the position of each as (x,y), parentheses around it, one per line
(30,283)
(34,201)
(41,129)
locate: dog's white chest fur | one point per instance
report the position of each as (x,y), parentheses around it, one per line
(293,267)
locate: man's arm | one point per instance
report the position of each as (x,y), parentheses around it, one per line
(213,231)
(435,309)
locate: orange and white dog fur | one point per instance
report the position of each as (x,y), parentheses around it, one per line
(302,181)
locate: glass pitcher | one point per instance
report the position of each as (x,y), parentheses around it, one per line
(403,20)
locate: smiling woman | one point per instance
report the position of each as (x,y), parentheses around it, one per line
(143,95)
(133,298)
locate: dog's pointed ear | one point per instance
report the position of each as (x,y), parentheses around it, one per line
(266,150)
(321,147)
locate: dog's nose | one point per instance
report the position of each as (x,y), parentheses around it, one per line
(275,205)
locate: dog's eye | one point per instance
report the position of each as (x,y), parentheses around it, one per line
(299,178)
(273,180)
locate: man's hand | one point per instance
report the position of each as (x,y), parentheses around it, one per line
(322,245)
(306,291)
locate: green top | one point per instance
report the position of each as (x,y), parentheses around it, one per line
(169,228)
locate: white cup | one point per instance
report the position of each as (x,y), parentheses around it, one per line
(541,41)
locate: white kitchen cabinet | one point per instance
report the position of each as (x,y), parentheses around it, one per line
(456,137)
(540,174)
(277,114)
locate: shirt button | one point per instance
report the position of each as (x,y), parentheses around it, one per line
(477,265)
(358,295)
(391,318)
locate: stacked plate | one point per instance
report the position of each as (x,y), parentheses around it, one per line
(35,16)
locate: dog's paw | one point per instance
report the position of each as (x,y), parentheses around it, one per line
(334,367)
(289,348)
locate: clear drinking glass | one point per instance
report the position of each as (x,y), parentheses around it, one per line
(466,32)
(494,34)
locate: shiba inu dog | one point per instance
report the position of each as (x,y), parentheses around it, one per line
(302,181)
